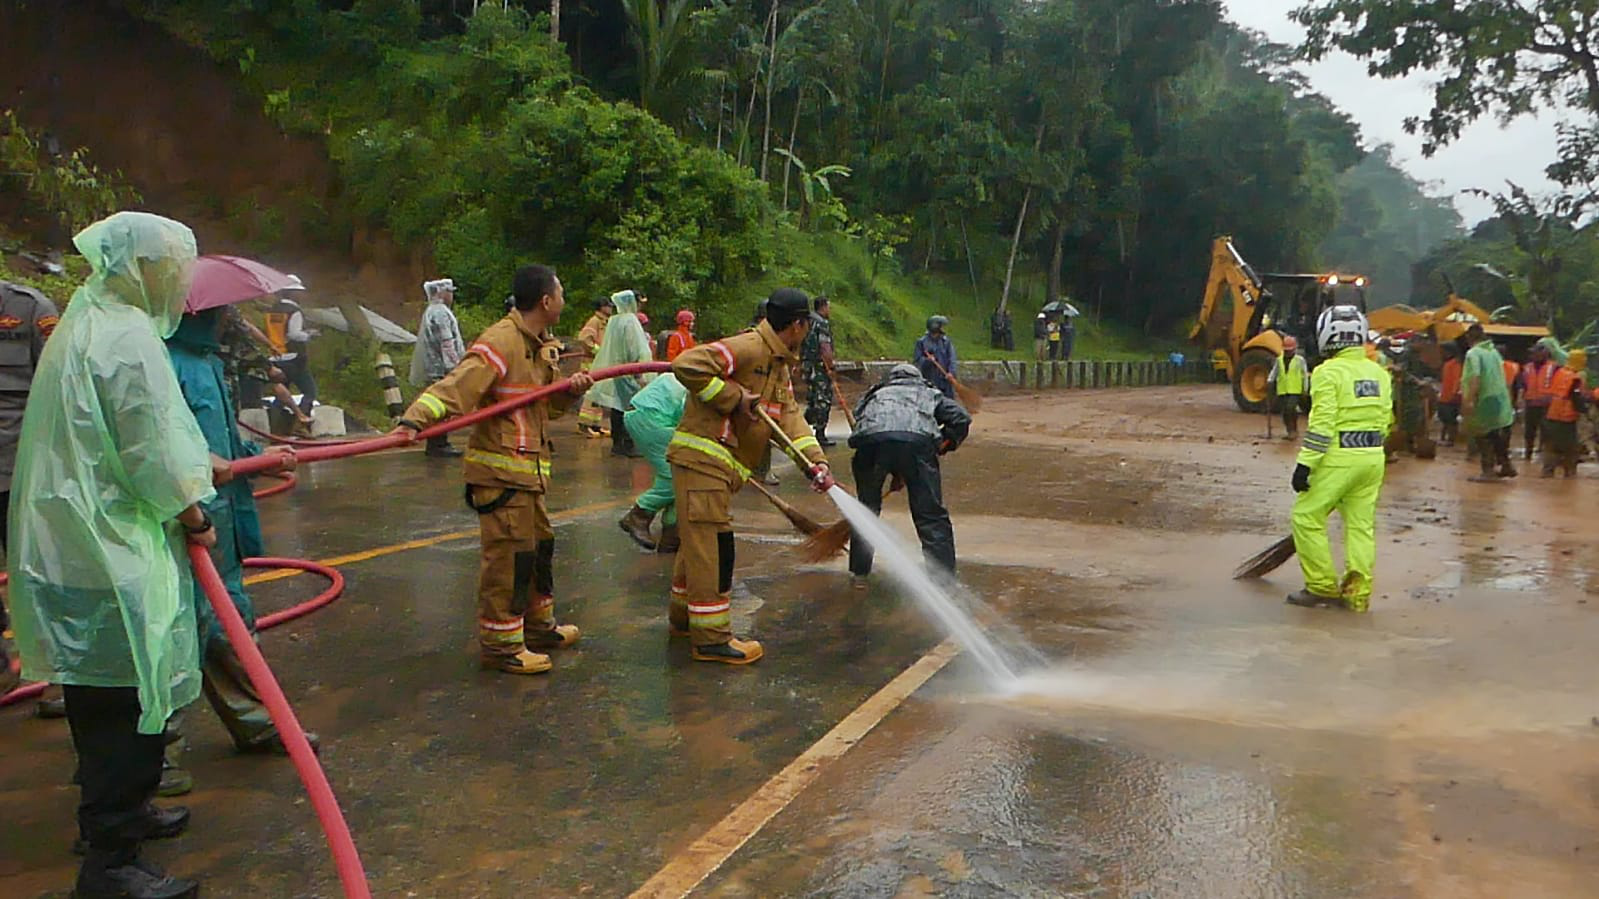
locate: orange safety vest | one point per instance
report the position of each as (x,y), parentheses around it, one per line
(1537,381)
(1511,370)
(1562,385)
(681,341)
(1449,390)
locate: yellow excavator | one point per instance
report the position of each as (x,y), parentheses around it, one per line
(1449,321)
(1245,316)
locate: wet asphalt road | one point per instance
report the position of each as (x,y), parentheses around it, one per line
(1187,736)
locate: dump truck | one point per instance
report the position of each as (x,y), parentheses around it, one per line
(1245,315)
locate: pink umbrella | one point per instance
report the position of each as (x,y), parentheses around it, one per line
(225,280)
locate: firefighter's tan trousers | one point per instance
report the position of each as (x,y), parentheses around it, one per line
(515,586)
(702,575)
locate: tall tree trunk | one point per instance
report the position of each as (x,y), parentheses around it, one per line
(971,266)
(1015,242)
(793,132)
(1021,218)
(721,105)
(555,21)
(1053,292)
(755,87)
(771,74)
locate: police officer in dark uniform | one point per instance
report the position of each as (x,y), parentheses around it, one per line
(26,320)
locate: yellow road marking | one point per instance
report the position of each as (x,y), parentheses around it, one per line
(391,549)
(689,868)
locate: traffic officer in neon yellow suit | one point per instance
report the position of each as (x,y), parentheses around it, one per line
(1341,463)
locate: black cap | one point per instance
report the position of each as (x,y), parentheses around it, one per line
(602,302)
(786,306)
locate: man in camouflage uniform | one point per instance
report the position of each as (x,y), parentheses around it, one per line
(816,361)
(26,320)
(1410,380)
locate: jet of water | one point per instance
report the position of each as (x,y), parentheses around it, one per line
(938,597)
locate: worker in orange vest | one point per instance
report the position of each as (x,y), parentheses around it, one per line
(1568,399)
(1537,377)
(1449,394)
(683,338)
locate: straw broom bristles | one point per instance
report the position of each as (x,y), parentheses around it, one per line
(831,540)
(1267,560)
(798,519)
(971,399)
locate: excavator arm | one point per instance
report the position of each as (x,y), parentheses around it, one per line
(1228,273)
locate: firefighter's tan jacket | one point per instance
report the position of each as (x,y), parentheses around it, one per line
(592,334)
(712,437)
(508,359)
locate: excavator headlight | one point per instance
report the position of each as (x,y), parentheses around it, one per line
(1360,282)
(1332,280)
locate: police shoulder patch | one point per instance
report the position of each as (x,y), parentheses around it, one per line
(1367,388)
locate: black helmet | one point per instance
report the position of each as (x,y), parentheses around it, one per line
(937,323)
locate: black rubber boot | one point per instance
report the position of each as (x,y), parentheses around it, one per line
(159,824)
(1311,600)
(107,876)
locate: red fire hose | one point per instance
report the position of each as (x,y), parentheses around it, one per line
(346,859)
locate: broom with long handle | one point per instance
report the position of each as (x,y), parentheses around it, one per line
(798,519)
(838,393)
(971,399)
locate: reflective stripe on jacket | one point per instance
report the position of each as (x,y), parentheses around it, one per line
(713,439)
(1351,399)
(507,360)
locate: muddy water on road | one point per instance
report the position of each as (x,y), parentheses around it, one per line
(1194,736)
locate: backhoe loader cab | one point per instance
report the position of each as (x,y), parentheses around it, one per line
(1245,316)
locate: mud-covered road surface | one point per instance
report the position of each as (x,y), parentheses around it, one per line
(1185,735)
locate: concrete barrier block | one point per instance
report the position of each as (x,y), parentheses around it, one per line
(327,421)
(256,418)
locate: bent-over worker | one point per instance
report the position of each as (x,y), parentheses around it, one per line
(902,426)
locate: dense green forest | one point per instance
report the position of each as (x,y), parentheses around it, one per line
(1537,259)
(700,148)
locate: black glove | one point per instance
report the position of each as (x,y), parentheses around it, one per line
(1301,478)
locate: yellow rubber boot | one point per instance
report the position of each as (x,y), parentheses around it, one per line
(523,662)
(733,652)
(559,637)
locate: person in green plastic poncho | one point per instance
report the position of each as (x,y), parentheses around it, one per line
(110,476)
(625,343)
(1486,405)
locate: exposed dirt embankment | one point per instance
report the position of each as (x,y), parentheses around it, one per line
(195,144)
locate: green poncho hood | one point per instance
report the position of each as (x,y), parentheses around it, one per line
(109,455)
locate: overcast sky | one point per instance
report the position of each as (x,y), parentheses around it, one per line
(1485,155)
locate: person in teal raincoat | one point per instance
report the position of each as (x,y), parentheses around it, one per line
(111,473)
(656,411)
(204,382)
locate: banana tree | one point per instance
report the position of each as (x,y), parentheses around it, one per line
(816,187)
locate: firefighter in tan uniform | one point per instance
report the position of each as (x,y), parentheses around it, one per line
(507,469)
(716,444)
